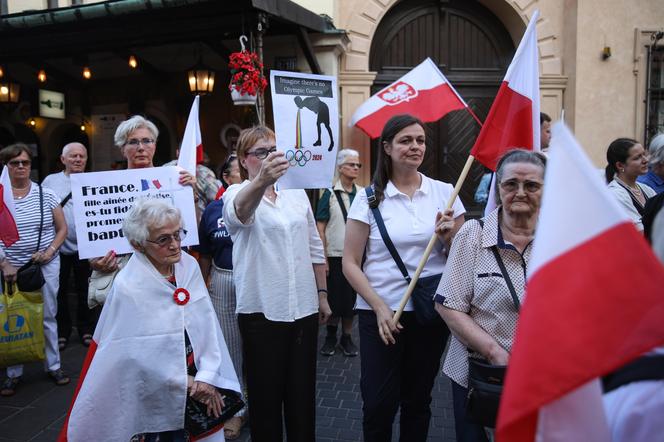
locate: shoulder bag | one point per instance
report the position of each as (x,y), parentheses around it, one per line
(99,283)
(424,290)
(29,277)
(485,380)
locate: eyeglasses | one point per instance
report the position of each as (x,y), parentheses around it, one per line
(135,142)
(19,163)
(165,240)
(514,185)
(262,152)
(358,165)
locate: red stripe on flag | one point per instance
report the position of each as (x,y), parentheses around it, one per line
(84,371)
(429,105)
(199,153)
(8,229)
(508,125)
(587,312)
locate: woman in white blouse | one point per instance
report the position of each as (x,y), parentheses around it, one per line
(279,272)
(399,361)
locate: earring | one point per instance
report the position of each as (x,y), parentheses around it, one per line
(622,170)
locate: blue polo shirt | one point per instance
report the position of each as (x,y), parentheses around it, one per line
(214,239)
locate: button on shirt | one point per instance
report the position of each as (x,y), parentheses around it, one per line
(273,253)
(410,224)
(473,283)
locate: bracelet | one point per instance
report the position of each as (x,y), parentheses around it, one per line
(51,247)
(322,291)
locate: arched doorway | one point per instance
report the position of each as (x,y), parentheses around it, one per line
(471,47)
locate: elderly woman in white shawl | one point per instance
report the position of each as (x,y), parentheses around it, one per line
(157,341)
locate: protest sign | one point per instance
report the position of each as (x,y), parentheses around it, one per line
(307,127)
(101,200)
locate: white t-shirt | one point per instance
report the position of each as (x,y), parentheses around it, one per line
(410,225)
(61,185)
(273,253)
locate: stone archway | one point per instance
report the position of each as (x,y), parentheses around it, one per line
(361,18)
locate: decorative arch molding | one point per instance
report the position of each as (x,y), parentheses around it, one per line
(362,18)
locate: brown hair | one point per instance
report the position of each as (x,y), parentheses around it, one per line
(383,172)
(246,140)
(14,150)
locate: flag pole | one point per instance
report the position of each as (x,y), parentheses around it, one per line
(432,241)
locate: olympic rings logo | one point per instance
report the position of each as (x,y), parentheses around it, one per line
(298,157)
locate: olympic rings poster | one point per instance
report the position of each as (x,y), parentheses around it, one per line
(306,123)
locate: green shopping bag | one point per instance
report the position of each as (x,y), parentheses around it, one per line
(21,326)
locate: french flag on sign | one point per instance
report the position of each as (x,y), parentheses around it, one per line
(423,92)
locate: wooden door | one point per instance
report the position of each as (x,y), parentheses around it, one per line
(471,47)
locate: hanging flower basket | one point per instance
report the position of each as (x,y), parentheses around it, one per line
(240,99)
(247,80)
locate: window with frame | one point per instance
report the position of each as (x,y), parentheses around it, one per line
(655,88)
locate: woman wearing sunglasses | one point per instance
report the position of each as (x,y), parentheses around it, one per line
(41,231)
(279,272)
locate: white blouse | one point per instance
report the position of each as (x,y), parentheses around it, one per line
(273,253)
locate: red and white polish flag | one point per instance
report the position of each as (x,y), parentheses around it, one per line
(8,229)
(191,150)
(593,303)
(513,119)
(423,92)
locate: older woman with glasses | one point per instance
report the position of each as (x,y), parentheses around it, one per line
(137,140)
(279,272)
(331,214)
(158,341)
(484,281)
(216,261)
(41,231)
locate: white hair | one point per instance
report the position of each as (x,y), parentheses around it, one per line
(130,125)
(344,154)
(656,150)
(146,214)
(70,146)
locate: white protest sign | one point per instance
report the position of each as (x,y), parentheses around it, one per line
(306,122)
(101,200)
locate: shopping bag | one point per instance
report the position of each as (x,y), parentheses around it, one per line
(21,326)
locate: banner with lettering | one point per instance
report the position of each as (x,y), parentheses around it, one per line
(307,127)
(101,200)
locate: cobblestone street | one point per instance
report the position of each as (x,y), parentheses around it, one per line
(37,411)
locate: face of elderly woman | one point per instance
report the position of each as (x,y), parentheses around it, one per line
(521,188)
(163,246)
(139,148)
(19,167)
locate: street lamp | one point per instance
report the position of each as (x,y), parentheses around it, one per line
(9,91)
(201,79)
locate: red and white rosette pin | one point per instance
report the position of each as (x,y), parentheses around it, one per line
(181,296)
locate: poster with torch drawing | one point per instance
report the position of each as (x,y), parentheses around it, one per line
(306,123)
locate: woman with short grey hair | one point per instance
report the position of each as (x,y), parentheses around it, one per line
(655,176)
(484,280)
(157,315)
(134,123)
(331,213)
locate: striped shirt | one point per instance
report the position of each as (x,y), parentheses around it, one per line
(27,221)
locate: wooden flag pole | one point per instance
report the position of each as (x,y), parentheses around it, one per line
(432,242)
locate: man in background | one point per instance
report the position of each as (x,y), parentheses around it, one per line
(74,157)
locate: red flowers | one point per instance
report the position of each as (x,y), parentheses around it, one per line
(246,73)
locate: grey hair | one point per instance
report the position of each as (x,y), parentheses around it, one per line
(517,155)
(130,125)
(656,150)
(148,213)
(70,146)
(344,154)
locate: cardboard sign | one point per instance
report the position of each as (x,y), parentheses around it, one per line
(101,200)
